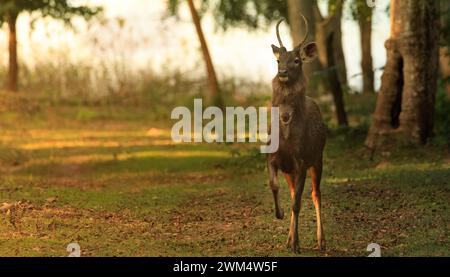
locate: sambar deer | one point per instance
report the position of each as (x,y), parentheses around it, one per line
(302,134)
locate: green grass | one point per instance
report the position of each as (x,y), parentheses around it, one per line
(120,188)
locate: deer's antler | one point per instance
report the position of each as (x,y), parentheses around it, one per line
(307,30)
(278,33)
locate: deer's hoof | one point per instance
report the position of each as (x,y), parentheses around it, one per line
(322,246)
(279,214)
(294,247)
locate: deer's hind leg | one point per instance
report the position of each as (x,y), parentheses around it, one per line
(274,185)
(316,176)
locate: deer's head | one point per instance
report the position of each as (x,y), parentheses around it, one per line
(290,63)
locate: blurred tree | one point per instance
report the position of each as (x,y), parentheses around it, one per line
(10,11)
(214,96)
(363,14)
(405,105)
(335,9)
(445,44)
(329,42)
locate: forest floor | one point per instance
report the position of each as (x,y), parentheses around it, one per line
(117,185)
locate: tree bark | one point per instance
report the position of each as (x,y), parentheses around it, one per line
(214,96)
(365,29)
(405,104)
(327,31)
(13,70)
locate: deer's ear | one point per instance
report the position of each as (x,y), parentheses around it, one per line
(276,51)
(309,52)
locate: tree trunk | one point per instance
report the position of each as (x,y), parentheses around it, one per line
(335,86)
(338,50)
(214,96)
(326,41)
(365,29)
(13,70)
(405,104)
(295,9)
(444,61)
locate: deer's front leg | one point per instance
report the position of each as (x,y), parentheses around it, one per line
(316,175)
(274,185)
(296,204)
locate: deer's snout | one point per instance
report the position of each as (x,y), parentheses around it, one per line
(282,73)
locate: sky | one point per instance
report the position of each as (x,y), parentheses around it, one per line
(150,39)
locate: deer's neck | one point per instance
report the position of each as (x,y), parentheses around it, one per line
(289,94)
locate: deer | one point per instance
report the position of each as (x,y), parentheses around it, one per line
(302,135)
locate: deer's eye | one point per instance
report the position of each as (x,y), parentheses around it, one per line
(297,61)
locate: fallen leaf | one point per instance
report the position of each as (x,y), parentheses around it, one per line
(6,207)
(50,200)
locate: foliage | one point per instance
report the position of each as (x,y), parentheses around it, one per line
(359,9)
(59,9)
(251,14)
